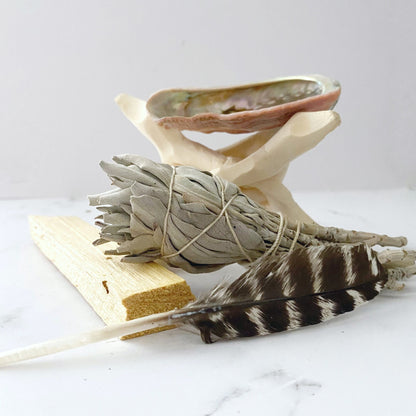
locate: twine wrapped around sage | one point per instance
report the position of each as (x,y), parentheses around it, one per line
(197,221)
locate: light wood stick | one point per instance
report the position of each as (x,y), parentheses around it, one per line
(117,291)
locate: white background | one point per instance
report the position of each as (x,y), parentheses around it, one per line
(62,63)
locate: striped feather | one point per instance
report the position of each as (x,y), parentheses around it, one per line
(288,291)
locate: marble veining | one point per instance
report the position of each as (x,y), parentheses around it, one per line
(228,397)
(276,381)
(8,318)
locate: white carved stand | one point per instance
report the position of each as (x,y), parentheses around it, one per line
(257,164)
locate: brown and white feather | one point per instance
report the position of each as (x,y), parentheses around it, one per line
(288,291)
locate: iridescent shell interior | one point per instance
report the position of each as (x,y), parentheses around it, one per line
(237,108)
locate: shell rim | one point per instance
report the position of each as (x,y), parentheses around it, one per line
(327,84)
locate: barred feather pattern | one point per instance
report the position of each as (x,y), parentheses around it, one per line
(288,291)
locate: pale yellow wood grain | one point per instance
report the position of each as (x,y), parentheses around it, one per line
(116,291)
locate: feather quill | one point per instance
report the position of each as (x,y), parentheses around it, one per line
(278,293)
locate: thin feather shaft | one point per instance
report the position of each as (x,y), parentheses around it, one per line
(90,337)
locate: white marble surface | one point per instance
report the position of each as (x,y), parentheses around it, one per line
(360,363)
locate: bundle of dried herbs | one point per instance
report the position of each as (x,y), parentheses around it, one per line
(197,221)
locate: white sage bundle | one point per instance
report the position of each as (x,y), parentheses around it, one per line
(197,221)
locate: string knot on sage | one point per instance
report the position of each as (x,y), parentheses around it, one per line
(198,221)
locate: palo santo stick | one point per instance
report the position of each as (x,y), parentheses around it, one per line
(117,291)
